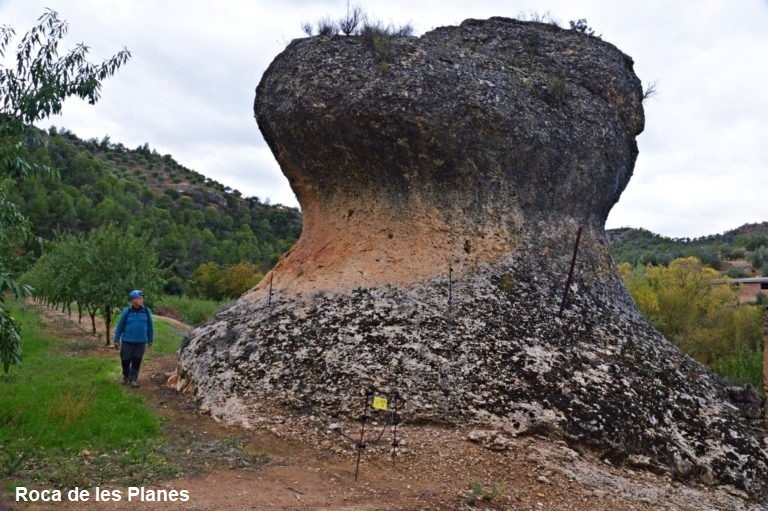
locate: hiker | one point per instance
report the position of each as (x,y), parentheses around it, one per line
(135,331)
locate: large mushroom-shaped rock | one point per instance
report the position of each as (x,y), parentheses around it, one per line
(443,181)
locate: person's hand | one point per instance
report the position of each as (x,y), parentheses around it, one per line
(150,344)
(117,345)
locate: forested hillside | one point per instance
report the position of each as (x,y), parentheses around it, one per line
(191,219)
(740,252)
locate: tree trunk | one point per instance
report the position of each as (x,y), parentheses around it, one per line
(92,313)
(108,321)
(69,310)
(79,314)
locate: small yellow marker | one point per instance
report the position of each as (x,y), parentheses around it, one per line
(379,403)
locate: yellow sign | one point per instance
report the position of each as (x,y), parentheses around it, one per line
(379,403)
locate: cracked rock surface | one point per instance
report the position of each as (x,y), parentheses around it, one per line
(442,181)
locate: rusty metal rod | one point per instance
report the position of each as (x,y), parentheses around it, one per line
(570,273)
(361,445)
(395,420)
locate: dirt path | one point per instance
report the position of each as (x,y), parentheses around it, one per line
(300,462)
(69,326)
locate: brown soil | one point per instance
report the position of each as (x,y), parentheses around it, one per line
(302,464)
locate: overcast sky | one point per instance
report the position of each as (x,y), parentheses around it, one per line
(189,89)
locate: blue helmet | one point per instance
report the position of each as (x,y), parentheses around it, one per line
(135,294)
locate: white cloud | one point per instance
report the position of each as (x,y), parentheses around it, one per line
(189,89)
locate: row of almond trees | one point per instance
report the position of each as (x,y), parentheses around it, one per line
(95,272)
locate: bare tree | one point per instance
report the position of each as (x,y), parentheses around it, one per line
(306,27)
(649,91)
(349,23)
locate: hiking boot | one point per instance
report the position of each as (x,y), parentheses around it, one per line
(134,384)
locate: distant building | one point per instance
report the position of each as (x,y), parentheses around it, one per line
(748,288)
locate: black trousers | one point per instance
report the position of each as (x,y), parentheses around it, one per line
(130,356)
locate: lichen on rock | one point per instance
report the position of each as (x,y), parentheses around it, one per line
(442,189)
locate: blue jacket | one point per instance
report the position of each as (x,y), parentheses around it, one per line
(135,325)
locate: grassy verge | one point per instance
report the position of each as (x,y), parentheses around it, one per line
(167,340)
(193,311)
(66,421)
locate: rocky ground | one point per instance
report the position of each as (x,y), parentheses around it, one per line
(599,377)
(304,460)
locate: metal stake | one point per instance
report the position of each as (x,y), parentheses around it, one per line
(360,444)
(395,420)
(570,273)
(271,278)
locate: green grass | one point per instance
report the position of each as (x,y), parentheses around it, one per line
(167,340)
(56,405)
(744,367)
(193,311)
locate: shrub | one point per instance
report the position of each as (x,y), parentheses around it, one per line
(746,366)
(534,16)
(582,27)
(736,253)
(532,43)
(173,286)
(758,258)
(737,272)
(326,26)
(376,36)
(193,311)
(376,39)
(752,241)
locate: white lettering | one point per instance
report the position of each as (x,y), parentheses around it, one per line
(25,495)
(145,495)
(21,494)
(142,494)
(78,495)
(104,495)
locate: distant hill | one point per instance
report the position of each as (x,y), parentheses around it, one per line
(742,251)
(193,219)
